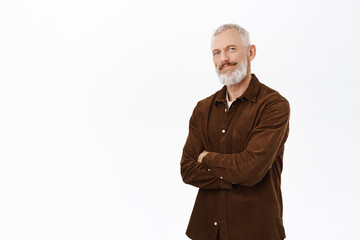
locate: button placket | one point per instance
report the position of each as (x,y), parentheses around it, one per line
(223,130)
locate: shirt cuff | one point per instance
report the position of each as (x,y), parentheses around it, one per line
(212,162)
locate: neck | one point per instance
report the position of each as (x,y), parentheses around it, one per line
(238,89)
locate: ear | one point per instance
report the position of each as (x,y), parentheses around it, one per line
(251,53)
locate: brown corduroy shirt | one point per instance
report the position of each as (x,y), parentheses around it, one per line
(239,181)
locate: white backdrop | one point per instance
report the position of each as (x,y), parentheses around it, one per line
(95,99)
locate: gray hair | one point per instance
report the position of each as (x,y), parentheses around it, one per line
(243,33)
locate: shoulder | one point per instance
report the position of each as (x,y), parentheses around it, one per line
(210,100)
(204,105)
(270,98)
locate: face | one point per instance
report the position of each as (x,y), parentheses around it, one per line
(228,51)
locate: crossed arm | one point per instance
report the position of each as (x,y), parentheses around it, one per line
(212,170)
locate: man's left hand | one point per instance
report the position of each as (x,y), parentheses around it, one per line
(202,155)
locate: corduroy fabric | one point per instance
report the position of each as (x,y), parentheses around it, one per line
(239,181)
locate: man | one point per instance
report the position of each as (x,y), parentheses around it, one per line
(234,150)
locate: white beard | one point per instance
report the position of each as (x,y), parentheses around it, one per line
(235,77)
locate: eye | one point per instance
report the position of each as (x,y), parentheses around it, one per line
(216,53)
(232,49)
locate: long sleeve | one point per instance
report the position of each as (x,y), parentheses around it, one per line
(265,142)
(193,172)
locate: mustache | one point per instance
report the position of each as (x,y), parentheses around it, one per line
(226,64)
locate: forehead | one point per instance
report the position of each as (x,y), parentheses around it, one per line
(226,38)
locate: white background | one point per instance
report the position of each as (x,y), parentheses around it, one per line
(95,99)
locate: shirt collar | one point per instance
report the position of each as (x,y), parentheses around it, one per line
(250,93)
(227,96)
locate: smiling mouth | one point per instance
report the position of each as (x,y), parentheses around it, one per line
(227,65)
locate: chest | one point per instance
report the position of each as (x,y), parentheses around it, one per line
(229,128)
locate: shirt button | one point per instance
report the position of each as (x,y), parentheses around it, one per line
(215,223)
(209,169)
(221,177)
(223,131)
(225,110)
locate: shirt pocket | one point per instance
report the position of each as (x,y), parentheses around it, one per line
(239,140)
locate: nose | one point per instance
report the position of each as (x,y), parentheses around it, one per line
(224,57)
